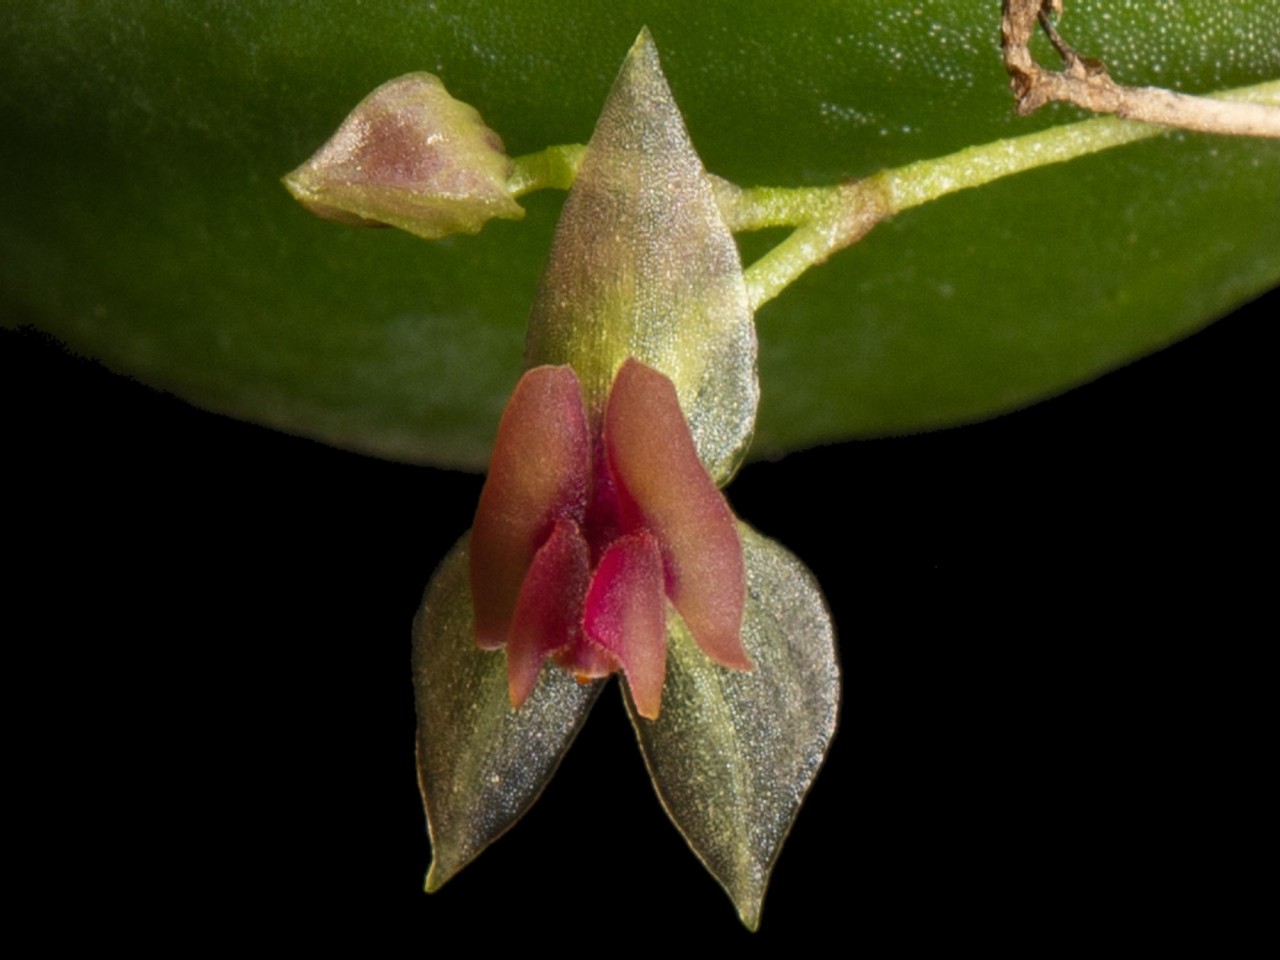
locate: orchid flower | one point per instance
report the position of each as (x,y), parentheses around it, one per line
(602,543)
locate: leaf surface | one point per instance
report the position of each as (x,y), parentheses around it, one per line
(145,224)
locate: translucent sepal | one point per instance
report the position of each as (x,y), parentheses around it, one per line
(732,754)
(644,266)
(481,763)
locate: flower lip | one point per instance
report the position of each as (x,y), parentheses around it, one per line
(587,537)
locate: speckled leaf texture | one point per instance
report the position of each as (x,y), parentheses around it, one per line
(480,763)
(145,225)
(732,754)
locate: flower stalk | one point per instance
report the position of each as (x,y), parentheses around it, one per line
(826,219)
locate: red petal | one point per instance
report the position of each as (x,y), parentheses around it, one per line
(548,614)
(625,612)
(664,484)
(540,472)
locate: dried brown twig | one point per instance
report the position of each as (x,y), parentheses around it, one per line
(1085,82)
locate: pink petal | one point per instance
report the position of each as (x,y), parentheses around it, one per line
(548,614)
(540,472)
(665,489)
(625,613)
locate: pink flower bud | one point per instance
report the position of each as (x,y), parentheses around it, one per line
(409,156)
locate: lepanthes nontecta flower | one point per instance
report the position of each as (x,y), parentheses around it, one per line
(602,543)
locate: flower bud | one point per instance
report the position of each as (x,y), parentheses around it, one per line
(409,156)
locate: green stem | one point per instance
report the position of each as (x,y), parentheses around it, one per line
(553,168)
(827,219)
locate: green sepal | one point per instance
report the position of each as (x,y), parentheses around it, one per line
(733,754)
(644,266)
(481,764)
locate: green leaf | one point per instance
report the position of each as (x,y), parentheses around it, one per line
(481,764)
(145,224)
(732,754)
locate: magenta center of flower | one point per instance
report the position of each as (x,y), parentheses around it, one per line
(585,540)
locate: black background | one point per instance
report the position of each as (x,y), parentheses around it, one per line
(1046,625)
